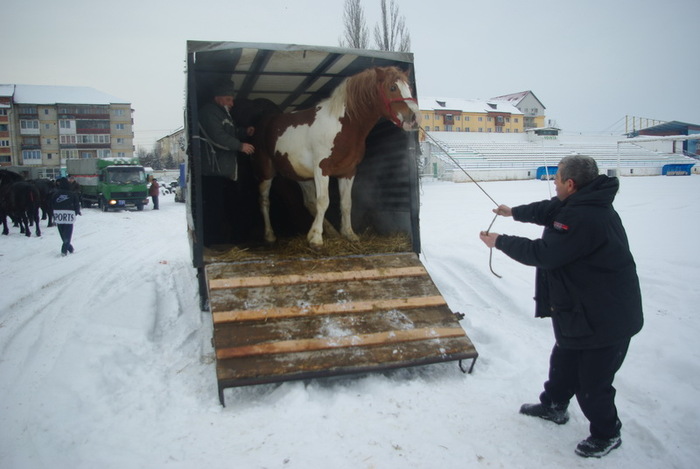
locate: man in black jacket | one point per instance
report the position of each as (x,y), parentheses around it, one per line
(65,205)
(586,281)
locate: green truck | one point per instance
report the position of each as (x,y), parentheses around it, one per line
(110,182)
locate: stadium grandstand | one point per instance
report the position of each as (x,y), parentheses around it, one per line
(536,153)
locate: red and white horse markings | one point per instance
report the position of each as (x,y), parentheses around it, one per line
(329,140)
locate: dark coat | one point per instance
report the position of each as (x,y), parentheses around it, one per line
(62,200)
(586,275)
(223,141)
(154,190)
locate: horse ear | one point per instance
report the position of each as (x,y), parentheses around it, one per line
(381,73)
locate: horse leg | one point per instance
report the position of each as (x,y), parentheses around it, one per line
(264,189)
(308,190)
(345,188)
(24,224)
(36,221)
(315,235)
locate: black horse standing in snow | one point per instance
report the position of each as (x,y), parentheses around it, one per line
(20,200)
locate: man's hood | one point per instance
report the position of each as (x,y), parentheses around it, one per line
(601,191)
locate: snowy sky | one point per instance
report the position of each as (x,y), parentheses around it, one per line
(590,62)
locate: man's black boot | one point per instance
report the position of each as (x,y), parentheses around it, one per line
(597,447)
(555,413)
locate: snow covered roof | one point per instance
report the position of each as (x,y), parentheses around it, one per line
(466,105)
(48,94)
(514,98)
(6,90)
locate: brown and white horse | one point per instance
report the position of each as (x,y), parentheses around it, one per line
(329,140)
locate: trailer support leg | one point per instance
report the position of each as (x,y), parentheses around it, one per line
(471,367)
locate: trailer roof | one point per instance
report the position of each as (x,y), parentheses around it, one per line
(292,76)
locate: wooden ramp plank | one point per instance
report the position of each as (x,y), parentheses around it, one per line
(294,279)
(361,340)
(326,309)
(277,320)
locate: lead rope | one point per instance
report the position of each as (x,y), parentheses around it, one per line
(477,185)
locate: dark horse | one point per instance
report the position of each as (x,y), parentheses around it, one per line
(312,145)
(20,200)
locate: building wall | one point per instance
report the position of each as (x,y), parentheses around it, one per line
(5,141)
(40,137)
(434,121)
(173,145)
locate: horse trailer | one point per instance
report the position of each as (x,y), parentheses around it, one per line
(284,311)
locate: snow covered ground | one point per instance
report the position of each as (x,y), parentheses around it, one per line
(106,361)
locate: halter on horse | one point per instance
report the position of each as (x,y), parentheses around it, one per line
(329,140)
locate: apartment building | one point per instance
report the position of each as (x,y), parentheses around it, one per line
(42,126)
(173,145)
(514,113)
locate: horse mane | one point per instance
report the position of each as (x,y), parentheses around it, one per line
(359,92)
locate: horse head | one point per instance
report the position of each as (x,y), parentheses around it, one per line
(397,102)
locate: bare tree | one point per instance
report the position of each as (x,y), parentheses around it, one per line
(356,33)
(391,33)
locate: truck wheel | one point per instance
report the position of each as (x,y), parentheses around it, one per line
(139,207)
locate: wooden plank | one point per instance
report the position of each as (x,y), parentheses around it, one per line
(322,277)
(326,309)
(236,334)
(280,296)
(275,267)
(364,340)
(283,367)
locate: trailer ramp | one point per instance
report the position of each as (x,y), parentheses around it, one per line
(288,319)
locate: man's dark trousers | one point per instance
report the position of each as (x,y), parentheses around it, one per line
(588,374)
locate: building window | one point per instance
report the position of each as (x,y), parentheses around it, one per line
(65,124)
(481,119)
(3,112)
(4,143)
(437,128)
(121,154)
(119,112)
(26,124)
(31,155)
(120,126)
(120,141)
